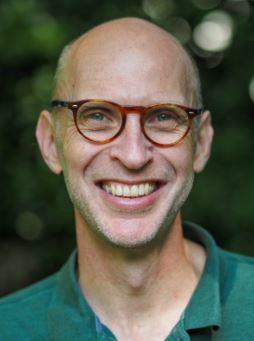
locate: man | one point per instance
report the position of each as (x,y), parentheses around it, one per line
(128,134)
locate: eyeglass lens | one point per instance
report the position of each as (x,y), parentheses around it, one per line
(164,124)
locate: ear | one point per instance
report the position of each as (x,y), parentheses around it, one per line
(46,140)
(204,140)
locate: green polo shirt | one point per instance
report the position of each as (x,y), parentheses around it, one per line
(221,308)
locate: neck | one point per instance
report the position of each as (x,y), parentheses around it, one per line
(130,282)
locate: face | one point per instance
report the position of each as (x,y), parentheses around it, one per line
(158,179)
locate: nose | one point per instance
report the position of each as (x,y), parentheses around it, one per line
(132,148)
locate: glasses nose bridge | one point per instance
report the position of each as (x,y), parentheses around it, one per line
(129,109)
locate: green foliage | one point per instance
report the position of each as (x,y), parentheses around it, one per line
(35,206)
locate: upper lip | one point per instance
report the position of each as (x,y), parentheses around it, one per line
(130,182)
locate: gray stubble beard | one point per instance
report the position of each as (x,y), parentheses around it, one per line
(95,225)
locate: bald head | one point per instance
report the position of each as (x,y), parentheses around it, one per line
(130,48)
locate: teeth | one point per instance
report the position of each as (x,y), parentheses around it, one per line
(119,190)
(147,187)
(107,188)
(141,190)
(134,191)
(113,189)
(126,191)
(129,191)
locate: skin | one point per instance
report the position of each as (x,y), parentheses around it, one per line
(147,268)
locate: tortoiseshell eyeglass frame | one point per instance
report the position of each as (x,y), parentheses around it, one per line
(125,110)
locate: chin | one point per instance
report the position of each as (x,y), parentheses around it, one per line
(134,235)
(129,242)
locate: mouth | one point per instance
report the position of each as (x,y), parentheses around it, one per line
(130,196)
(129,190)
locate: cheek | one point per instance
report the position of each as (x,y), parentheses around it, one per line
(181,157)
(76,152)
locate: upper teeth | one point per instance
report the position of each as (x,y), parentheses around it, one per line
(129,191)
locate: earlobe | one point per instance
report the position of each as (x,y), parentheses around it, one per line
(46,140)
(203,142)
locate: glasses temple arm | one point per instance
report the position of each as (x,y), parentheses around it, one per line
(58,103)
(196,112)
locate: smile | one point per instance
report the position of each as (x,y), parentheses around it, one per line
(130,196)
(129,191)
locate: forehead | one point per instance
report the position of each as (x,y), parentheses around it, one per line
(138,68)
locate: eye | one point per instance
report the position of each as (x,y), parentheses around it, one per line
(161,116)
(97,116)
(164,116)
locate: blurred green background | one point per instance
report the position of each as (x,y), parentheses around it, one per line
(37,229)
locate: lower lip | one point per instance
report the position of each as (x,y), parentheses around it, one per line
(131,204)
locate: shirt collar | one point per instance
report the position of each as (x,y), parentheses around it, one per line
(204,308)
(69,311)
(69,315)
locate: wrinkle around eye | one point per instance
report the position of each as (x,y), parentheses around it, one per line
(70,135)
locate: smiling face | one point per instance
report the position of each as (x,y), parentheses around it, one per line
(129,190)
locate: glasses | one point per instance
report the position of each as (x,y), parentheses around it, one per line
(100,122)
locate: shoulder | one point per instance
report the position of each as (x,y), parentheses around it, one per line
(237,284)
(36,292)
(240,266)
(25,312)
(236,296)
